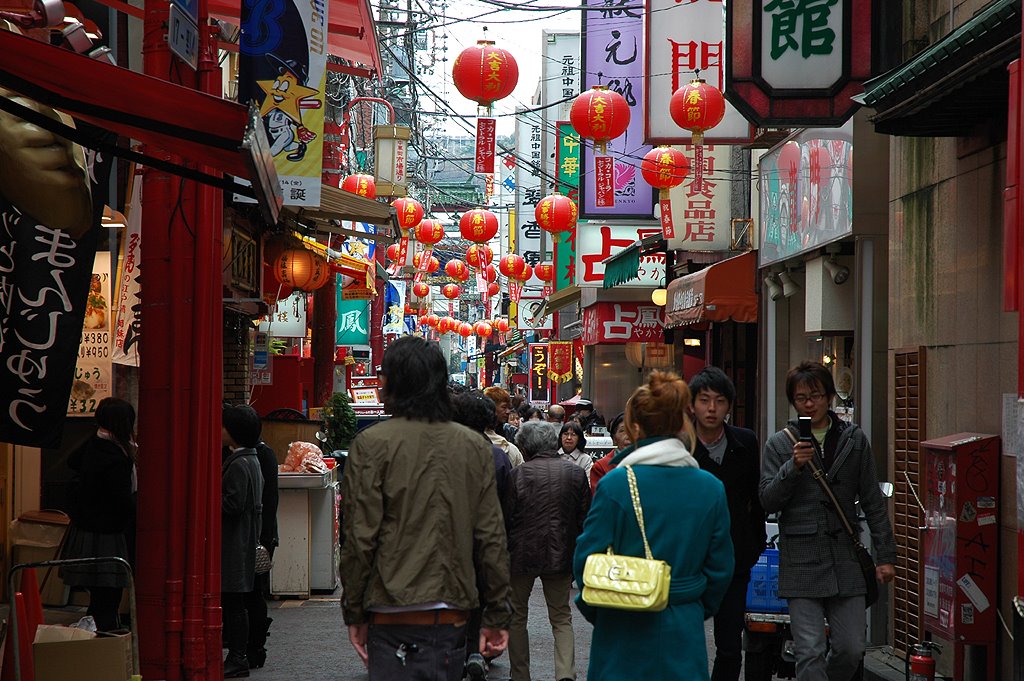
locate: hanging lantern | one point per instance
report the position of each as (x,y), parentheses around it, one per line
(556,213)
(501,324)
(485,73)
(456,269)
(478,225)
(410,212)
(482,329)
(526,274)
(512,265)
(451,291)
(479,255)
(433,320)
(697,107)
(360,185)
(393,252)
(601,115)
(422,321)
(430,263)
(302,269)
(465,329)
(444,325)
(420,289)
(490,274)
(664,168)
(429,232)
(545,271)
(493,289)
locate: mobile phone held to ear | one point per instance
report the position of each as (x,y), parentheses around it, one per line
(804,424)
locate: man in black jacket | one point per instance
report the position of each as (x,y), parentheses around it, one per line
(731,454)
(255,600)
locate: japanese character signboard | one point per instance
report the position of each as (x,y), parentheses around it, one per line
(612,55)
(93,376)
(128,301)
(560,78)
(622,323)
(596,242)
(353,325)
(287,319)
(486,128)
(682,38)
(797,62)
(528,186)
(567,164)
(560,361)
(700,205)
(539,381)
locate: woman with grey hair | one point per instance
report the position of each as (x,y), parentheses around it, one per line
(546,502)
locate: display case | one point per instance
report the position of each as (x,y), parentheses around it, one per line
(306,559)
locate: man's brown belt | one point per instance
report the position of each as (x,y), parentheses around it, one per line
(421,617)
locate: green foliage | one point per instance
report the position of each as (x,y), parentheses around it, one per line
(339,422)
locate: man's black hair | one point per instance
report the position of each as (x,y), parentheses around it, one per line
(243,424)
(474,410)
(715,380)
(416,380)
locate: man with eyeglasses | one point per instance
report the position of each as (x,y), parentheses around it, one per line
(819,573)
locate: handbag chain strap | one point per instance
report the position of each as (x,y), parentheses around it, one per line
(634,493)
(819,475)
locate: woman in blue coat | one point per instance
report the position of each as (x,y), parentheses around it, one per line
(687,522)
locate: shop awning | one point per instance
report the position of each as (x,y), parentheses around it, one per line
(940,91)
(625,265)
(719,292)
(558,300)
(337,204)
(351,34)
(512,350)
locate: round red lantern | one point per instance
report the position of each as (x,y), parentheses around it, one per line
(664,168)
(556,213)
(429,232)
(409,309)
(456,269)
(420,289)
(490,274)
(465,329)
(493,289)
(697,107)
(301,269)
(479,255)
(485,73)
(482,329)
(444,325)
(478,225)
(526,274)
(422,321)
(451,291)
(392,252)
(433,320)
(360,185)
(432,265)
(410,212)
(545,271)
(512,265)
(501,324)
(601,115)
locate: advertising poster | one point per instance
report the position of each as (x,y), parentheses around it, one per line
(613,40)
(128,300)
(283,69)
(93,380)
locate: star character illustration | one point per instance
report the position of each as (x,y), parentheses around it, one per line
(286,97)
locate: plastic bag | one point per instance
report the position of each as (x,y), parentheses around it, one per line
(304,457)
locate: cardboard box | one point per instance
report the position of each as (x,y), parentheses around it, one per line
(103,658)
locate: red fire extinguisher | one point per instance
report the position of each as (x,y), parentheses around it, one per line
(921,664)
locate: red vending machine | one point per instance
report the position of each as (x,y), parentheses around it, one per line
(961,551)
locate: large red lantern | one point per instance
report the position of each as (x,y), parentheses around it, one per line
(478,225)
(526,274)
(485,73)
(545,271)
(493,289)
(479,255)
(433,264)
(420,289)
(664,168)
(393,252)
(512,265)
(429,232)
(360,185)
(556,213)
(465,329)
(410,212)
(444,325)
(601,115)
(502,325)
(456,269)
(302,269)
(490,274)
(482,329)
(451,291)
(433,320)
(697,107)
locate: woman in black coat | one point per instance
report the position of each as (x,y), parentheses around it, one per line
(102,508)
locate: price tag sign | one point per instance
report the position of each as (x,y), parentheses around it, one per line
(183,36)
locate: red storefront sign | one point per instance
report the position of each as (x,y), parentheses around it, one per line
(486,129)
(560,361)
(622,323)
(604,180)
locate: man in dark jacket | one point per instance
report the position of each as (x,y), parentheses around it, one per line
(255,600)
(241,507)
(547,502)
(731,454)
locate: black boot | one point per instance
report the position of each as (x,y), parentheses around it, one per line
(236,626)
(257,649)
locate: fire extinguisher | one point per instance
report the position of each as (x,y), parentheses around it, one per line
(920,663)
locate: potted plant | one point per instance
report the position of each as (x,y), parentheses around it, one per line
(339,425)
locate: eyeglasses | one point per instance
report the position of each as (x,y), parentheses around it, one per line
(813,397)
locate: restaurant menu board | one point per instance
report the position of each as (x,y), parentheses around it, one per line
(93,377)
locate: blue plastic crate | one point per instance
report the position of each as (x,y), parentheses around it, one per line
(762,592)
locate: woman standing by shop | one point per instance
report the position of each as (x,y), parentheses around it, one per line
(687,525)
(102,507)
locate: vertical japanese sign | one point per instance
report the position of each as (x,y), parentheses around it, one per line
(560,82)
(128,301)
(528,185)
(93,380)
(287,319)
(283,68)
(682,38)
(486,129)
(594,244)
(701,209)
(560,362)
(353,325)
(612,42)
(567,171)
(539,381)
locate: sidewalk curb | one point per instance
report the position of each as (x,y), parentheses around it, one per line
(878,666)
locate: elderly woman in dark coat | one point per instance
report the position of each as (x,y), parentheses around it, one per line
(241,508)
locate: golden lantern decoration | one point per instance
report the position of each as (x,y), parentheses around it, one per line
(302,269)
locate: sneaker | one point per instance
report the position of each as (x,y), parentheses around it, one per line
(476,667)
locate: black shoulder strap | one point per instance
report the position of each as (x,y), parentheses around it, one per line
(819,475)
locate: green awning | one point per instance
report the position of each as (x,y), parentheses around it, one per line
(625,265)
(942,89)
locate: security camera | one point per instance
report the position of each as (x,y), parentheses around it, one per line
(774,290)
(789,287)
(839,273)
(44,14)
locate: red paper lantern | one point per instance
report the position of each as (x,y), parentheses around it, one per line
(451,291)
(482,329)
(478,225)
(485,73)
(526,274)
(601,115)
(408,309)
(664,167)
(433,264)
(502,325)
(420,289)
(493,288)
(465,329)
(697,107)
(444,325)
(433,320)
(479,255)
(456,269)
(490,274)
(360,185)
(545,271)
(512,265)
(392,252)
(410,212)
(429,232)
(556,213)
(302,269)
